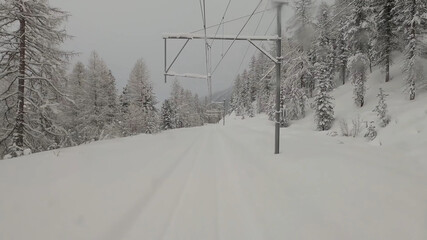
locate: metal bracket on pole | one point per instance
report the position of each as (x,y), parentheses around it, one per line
(186,75)
(264,51)
(174,60)
(268,73)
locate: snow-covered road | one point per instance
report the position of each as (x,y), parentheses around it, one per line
(216,182)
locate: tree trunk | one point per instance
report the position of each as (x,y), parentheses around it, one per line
(19,139)
(343,70)
(412,53)
(412,92)
(387,69)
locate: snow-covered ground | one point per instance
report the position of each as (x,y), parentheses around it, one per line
(218,182)
(223,182)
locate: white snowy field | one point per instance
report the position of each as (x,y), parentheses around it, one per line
(218,182)
(224,182)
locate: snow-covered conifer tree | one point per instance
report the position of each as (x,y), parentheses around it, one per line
(264,86)
(101,108)
(142,115)
(293,92)
(301,24)
(73,113)
(237,102)
(186,108)
(324,45)
(324,108)
(246,94)
(412,17)
(357,36)
(341,15)
(386,39)
(381,109)
(358,66)
(33,65)
(167,114)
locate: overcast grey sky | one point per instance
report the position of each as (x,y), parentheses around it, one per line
(123,31)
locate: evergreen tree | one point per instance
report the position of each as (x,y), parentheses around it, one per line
(324,46)
(124,111)
(358,66)
(341,15)
(140,87)
(187,111)
(246,94)
(33,65)
(301,24)
(124,101)
(142,116)
(293,92)
(167,116)
(76,91)
(412,16)
(237,102)
(358,42)
(386,39)
(264,85)
(381,109)
(324,70)
(324,109)
(102,100)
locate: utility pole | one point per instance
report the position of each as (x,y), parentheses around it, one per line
(278,76)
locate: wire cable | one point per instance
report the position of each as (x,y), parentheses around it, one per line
(235,19)
(234,40)
(221,22)
(247,49)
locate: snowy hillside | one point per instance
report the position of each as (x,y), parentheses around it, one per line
(223,182)
(407,130)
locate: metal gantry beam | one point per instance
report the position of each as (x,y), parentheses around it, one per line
(188,37)
(225,37)
(186,75)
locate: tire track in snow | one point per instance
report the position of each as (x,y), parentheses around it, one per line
(194,207)
(173,216)
(127,221)
(237,220)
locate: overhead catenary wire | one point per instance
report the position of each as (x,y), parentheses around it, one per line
(234,20)
(222,21)
(228,49)
(247,49)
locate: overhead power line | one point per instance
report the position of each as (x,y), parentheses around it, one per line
(222,20)
(241,30)
(256,29)
(234,20)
